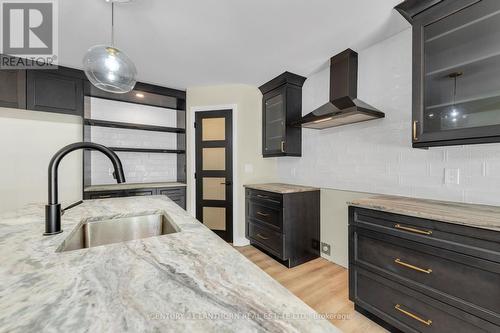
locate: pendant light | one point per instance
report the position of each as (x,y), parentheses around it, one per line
(107,67)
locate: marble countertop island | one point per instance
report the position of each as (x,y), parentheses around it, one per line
(478,216)
(281,188)
(189,281)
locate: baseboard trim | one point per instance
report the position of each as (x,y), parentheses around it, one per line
(240,242)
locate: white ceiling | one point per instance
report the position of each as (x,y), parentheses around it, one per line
(185,43)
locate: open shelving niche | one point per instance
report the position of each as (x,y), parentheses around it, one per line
(170,99)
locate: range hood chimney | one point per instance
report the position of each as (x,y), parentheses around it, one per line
(344,107)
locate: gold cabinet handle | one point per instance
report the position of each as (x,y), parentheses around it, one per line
(414,230)
(262,196)
(413,316)
(399,262)
(105,196)
(262,214)
(262,237)
(415,134)
(282,146)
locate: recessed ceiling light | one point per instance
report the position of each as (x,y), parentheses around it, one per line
(140,95)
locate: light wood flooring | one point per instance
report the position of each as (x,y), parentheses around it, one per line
(320,284)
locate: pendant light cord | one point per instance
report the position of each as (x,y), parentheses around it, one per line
(455,92)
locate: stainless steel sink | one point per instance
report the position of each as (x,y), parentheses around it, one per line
(103,232)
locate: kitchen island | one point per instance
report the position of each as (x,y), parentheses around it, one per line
(189,281)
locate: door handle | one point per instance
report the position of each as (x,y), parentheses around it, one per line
(415,128)
(427,322)
(282,146)
(410,266)
(227,183)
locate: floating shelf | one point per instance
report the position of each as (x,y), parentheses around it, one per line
(147,150)
(115,124)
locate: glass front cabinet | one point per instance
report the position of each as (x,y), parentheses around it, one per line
(281,108)
(456,71)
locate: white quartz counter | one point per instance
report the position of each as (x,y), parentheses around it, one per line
(190,281)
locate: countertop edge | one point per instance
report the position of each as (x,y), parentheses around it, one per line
(464,221)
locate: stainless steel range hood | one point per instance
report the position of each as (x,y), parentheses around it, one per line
(344,107)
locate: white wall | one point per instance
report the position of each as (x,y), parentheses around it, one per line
(138,167)
(28,140)
(250,166)
(376,156)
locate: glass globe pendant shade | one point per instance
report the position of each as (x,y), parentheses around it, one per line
(109,69)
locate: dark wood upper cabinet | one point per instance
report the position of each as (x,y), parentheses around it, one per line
(59,91)
(456,71)
(281,107)
(13,88)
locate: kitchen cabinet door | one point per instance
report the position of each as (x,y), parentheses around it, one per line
(456,97)
(13,88)
(281,110)
(58,91)
(274,122)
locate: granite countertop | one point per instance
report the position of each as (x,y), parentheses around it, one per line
(131,186)
(479,216)
(281,188)
(168,283)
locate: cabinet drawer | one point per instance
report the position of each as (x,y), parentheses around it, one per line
(105,195)
(170,191)
(270,215)
(179,200)
(265,198)
(459,280)
(472,241)
(140,193)
(411,311)
(267,238)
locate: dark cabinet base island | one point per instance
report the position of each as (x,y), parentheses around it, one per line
(284,221)
(173,190)
(425,266)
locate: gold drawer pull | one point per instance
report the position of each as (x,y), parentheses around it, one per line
(105,196)
(262,214)
(262,196)
(262,237)
(414,230)
(411,315)
(426,271)
(282,146)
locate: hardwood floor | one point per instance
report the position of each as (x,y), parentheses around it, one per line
(319,283)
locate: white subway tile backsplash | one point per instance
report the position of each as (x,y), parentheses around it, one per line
(377,156)
(138,167)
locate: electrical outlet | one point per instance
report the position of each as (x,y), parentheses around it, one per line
(325,248)
(452,176)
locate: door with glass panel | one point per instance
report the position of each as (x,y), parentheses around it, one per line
(214,171)
(457,87)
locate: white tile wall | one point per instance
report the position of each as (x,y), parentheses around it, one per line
(376,156)
(138,167)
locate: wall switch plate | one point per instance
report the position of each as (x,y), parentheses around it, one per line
(451,176)
(325,248)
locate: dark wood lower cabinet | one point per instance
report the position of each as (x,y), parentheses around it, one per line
(286,226)
(176,194)
(418,275)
